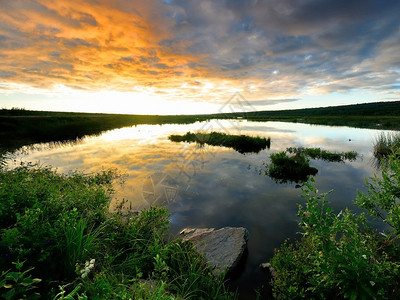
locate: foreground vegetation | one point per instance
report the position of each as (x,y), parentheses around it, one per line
(240,143)
(339,255)
(59,241)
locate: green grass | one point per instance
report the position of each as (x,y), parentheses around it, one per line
(284,168)
(293,165)
(58,238)
(386,144)
(318,153)
(240,143)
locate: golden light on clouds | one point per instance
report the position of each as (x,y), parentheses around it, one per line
(196,52)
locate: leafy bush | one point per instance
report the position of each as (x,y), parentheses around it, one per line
(383,196)
(339,256)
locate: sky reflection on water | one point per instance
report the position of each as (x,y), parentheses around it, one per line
(214,186)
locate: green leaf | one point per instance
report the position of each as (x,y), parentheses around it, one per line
(372,283)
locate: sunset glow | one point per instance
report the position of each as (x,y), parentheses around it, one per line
(182,57)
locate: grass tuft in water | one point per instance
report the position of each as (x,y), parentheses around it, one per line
(318,153)
(386,144)
(284,168)
(240,143)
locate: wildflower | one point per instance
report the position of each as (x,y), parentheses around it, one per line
(89,265)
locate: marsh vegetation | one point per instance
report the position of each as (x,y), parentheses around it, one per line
(318,153)
(293,165)
(240,143)
(285,168)
(386,144)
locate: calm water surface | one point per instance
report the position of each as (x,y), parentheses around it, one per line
(214,186)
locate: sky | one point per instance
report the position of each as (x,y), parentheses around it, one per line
(197,56)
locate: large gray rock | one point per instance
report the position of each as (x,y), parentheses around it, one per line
(222,248)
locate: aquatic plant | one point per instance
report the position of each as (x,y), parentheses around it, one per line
(240,143)
(295,168)
(386,144)
(318,153)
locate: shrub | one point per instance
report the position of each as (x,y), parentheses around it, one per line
(339,256)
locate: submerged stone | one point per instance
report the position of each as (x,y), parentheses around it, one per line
(222,249)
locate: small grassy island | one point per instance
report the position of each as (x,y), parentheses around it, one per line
(240,143)
(296,168)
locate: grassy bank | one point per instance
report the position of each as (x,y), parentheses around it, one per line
(371,122)
(57,238)
(240,143)
(23,127)
(20,127)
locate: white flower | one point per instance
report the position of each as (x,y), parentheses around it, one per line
(89,265)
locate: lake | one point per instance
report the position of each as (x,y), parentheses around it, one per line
(211,186)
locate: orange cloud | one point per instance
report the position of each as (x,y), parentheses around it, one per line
(199,50)
(90,45)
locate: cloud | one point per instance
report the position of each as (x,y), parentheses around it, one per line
(272,101)
(203,49)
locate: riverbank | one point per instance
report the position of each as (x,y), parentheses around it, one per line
(24,127)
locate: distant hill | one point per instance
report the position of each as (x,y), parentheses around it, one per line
(365,109)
